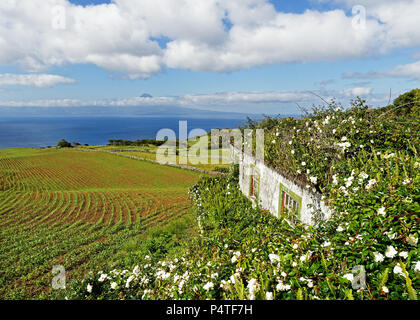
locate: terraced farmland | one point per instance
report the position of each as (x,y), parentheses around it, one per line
(75,208)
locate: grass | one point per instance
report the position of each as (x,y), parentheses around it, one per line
(80,210)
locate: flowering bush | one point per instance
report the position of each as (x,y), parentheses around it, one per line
(245,253)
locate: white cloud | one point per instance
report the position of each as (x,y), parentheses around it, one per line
(189,100)
(119,36)
(410,71)
(254,102)
(356,92)
(36,80)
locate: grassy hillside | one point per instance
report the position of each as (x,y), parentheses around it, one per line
(77,209)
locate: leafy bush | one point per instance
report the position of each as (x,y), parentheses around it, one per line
(64,144)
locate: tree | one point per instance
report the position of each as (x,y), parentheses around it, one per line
(64,144)
(407,102)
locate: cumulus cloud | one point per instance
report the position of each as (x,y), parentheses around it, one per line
(203,35)
(36,80)
(356,92)
(410,71)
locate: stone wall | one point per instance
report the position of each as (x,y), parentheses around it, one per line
(272,186)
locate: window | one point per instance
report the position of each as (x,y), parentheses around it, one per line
(254,183)
(290,204)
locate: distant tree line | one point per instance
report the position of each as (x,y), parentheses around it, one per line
(137,143)
(63,143)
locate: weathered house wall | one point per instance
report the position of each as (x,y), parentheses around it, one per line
(274,190)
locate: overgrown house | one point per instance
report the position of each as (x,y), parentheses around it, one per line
(276,192)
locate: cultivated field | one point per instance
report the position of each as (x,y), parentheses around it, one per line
(76,209)
(210,161)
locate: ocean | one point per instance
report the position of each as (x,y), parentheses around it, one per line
(36,132)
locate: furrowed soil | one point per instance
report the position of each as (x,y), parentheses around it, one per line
(76,209)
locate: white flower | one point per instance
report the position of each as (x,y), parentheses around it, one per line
(130,278)
(417,267)
(269,296)
(224,284)
(340,229)
(406,181)
(310,284)
(303,163)
(113,285)
(252,288)
(282,287)
(290,142)
(235,257)
(344,145)
(370,184)
(103,277)
(390,252)
(378,257)
(314,180)
(89,288)
(398,270)
(349,276)
(381,211)
(274,258)
(214,275)
(326,244)
(161,274)
(412,240)
(385,289)
(208,286)
(349,181)
(284,274)
(295,246)
(363,175)
(403,254)
(136,270)
(390,235)
(294,264)
(344,139)
(335,179)
(293,151)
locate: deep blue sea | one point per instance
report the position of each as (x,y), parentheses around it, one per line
(38,132)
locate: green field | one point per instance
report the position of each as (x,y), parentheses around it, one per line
(212,160)
(77,209)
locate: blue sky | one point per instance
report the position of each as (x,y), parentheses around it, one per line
(90,72)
